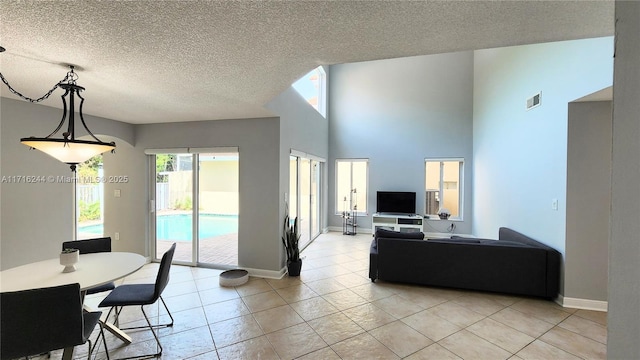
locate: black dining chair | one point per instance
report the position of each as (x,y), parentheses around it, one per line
(143,294)
(90,246)
(37,321)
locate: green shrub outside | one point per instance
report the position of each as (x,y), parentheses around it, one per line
(89,211)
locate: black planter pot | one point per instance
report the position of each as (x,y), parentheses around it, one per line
(293,267)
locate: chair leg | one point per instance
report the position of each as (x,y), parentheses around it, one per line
(109,314)
(116,322)
(156,326)
(90,350)
(155,336)
(153,332)
(149,326)
(168,312)
(104,342)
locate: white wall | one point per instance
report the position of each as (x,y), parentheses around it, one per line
(264,146)
(396,113)
(520,157)
(588,200)
(258,143)
(37,218)
(303,129)
(624,250)
(127,214)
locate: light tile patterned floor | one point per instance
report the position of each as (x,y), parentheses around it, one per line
(333,311)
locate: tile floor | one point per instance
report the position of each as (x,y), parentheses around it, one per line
(333,311)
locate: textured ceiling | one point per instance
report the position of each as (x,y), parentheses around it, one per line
(163,61)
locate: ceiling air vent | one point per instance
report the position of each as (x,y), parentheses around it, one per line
(534,101)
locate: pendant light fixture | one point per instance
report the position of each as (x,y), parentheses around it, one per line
(66,148)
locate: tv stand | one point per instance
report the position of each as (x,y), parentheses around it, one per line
(397,222)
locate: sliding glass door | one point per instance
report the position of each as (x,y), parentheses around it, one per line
(174,205)
(314,198)
(218,208)
(304,190)
(196,206)
(304,179)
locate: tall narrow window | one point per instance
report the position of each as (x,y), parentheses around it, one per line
(443,186)
(351,185)
(90,199)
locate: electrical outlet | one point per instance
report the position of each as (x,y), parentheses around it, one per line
(554,204)
(117,236)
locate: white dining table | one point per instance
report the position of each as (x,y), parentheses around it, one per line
(91,270)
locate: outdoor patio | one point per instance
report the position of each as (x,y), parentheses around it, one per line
(218,250)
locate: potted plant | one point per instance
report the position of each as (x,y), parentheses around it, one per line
(68,258)
(290,238)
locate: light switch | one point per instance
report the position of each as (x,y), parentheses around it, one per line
(116,193)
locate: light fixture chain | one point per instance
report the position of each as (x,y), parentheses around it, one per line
(43,97)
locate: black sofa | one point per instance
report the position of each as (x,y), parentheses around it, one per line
(514,264)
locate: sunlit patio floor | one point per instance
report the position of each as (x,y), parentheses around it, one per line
(217,250)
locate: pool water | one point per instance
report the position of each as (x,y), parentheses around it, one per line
(178,227)
(97,229)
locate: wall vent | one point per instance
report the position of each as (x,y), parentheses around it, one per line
(534,101)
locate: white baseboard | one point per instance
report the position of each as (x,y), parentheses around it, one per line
(270,274)
(358,231)
(585,304)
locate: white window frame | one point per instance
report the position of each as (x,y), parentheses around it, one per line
(321,89)
(338,201)
(460,216)
(322,86)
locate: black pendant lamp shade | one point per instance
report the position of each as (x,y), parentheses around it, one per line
(67,148)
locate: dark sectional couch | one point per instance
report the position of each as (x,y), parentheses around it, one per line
(513,264)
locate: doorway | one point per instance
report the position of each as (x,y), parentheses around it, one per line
(304,192)
(196,201)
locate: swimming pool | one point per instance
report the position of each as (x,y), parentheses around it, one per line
(97,229)
(177,227)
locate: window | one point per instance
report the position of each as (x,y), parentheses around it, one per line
(89,187)
(312,88)
(443,186)
(351,185)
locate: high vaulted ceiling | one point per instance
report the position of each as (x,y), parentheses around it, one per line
(164,61)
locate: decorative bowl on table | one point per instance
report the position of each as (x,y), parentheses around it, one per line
(68,259)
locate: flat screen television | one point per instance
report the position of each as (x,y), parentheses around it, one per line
(400,202)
